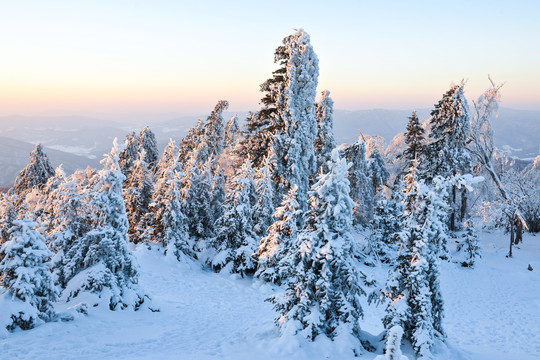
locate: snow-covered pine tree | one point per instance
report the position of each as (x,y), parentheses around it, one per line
(214,129)
(100,264)
(278,242)
(26,287)
(323,292)
(147,141)
(286,123)
(360,185)
(138,188)
(170,155)
(386,224)
(263,209)
(197,183)
(415,140)
(70,220)
(129,154)
(235,242)
(8,214)
(393,343)
(293,147)
(413,284)
(448,151)
(35,174)
(190,142)
(324,142)
(377,172)
(468,245)
(232,132)
(168,223)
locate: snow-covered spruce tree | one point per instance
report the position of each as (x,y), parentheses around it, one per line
(235,241)
(360,185)
(214,129)
(147,141)
(232,132)
(377,172)
(170,155)
(324,142)
(413,284)
(386,224)
(263,209)
(468,245)
(278,242)
(294,150)
(168,223)
(415,140)
(129,154)
(447,151)
(100,264)
(8,214)
(190,142)
(218,189)
(197,182)
(138,188)
(70,220)
(323,292)
(35,174)
(26,287)
(287,122)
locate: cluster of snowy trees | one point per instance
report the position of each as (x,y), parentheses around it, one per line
(275,199)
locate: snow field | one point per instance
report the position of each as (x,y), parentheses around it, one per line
(492,312)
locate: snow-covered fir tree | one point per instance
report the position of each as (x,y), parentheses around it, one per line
(197,183)
(415,140)
(235,242)
(447,152)
(147,142)
(294,149)
(468,247)
(138,188)
(35,174)
(377,172)
(168,225)
(263,209)
(190,142)
(386,224)
(324,142)
(323,292)
(287,124)
(27,291)
(214,129)
(413,284)
(100,263)
(232,132)
(278,242)
(170,155)
(8,214)
(70,219)
(360,185)
(393,344)
(129,153)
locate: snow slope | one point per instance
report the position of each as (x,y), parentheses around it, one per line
(492,312)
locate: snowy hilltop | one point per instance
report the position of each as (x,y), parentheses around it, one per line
(265,239)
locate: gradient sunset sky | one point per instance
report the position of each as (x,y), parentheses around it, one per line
(117,57)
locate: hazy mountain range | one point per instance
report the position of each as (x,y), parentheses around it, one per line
(77,142)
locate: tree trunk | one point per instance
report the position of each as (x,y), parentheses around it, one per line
(511,237)
(463,205)
(453,209)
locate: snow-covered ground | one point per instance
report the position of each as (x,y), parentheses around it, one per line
(492,312)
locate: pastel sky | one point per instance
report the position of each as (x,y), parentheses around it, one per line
(63,57)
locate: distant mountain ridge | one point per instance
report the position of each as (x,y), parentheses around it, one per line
(79,141)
